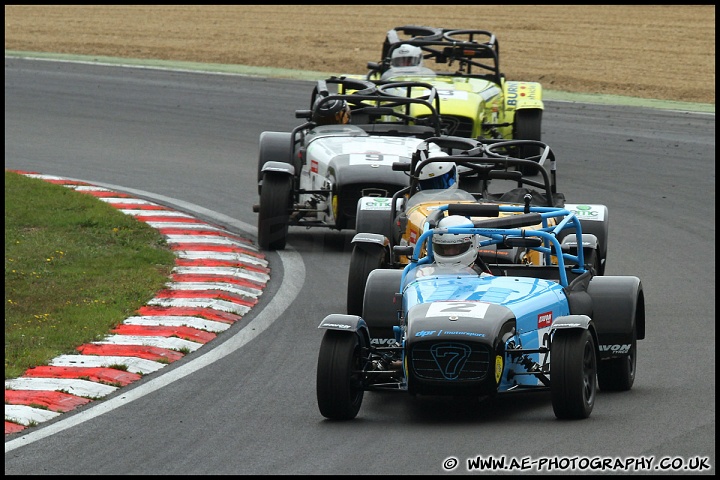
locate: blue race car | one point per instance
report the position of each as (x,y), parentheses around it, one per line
(491,175)
(438,329)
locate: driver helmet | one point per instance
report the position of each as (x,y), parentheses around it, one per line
(332,112)
(438,175)
(406,56)
(455,249)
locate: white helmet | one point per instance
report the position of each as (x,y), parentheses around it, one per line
(406,56)
(438,175)
(455,249)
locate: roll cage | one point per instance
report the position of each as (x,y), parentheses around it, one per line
(376,109)
(476,52)
(488,160)
(507,232)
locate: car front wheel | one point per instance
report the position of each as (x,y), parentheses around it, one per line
(340,367)
(573,371)
(274,211)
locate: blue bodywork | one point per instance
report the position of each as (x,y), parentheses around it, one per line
(466,306)
(475,328)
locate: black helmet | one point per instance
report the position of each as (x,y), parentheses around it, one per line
(331,112)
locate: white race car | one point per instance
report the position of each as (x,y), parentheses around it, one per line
(314,175)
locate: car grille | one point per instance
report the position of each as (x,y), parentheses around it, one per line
(450,361)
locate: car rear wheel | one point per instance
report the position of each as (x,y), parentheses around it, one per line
(528,127)
(618,374)
(341,362)
(573,371)
(273,214)
(364,259)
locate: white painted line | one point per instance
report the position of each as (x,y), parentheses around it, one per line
(170,343)
(74,386)
(225,271)
(44,177)
(128,201)
(210,239)
(185,226)
(88,188)
(178,321)
(156,213)
(226,256)
(27,415)
(221,305)
(133,364)
(206,286)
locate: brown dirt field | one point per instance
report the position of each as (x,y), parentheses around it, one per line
(664,52)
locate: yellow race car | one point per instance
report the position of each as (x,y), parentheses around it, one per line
(477,101)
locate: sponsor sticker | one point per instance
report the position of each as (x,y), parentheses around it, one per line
(375,203)
(336,325)
(615,348)
(587,212)
(544,320)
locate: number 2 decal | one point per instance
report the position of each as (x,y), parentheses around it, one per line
(545,343)
(466,309)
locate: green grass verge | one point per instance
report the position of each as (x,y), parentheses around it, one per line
(75,267)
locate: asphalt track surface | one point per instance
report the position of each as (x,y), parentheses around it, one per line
(245,403)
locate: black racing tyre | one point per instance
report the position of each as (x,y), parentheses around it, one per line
(364,259)
(573,371)
(601,231)
(592,260)
(527,126)
(618,374)
(274,146)
(273,214)
(341,362)
(374,221)
(380,306)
